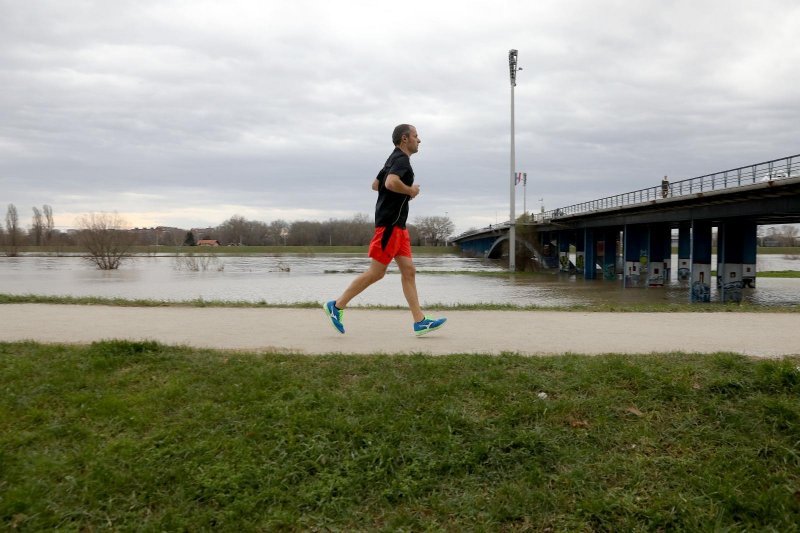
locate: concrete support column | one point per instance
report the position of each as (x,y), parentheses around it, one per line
(730,244)
(749,250)
(684,251)
(637,254)
(610,254)
(543,249)
(701,261)
(667,254)
(590,257)
(563,251)
(580,250)
(658,236)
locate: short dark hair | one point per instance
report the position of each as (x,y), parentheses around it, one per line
(399,131)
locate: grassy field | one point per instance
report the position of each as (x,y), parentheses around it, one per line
(624,307)
(140,436)
(780,274)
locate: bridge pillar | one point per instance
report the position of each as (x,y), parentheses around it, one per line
(580,250)
(657,267)
(668,254)
(563,251)
(684,251)
(749,249)
(730,247)
(637,254)
(590,259)
(549,255)
(610,254)
(701,261)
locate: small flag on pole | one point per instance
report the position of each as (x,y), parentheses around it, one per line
(524,179)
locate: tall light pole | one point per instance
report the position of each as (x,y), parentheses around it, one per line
(512,230)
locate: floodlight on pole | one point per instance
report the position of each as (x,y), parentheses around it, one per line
(512,243)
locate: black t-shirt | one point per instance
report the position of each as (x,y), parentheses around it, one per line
(391,208)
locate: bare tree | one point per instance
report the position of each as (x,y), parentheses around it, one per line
(106,241)
(789,235)
(49,226)
(434,230)
(37,227)
(239,230)
(273,231)
(13,233)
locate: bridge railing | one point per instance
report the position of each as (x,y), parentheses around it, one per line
(777,169)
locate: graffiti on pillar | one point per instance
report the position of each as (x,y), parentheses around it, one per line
(732,292)
(563,261)
(579,261)
(701,284)
(701,292)
(632,274)
(684,272)
(609,272)
(730,283)
(749,276)
(655,276)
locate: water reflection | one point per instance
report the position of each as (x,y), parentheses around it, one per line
(297,278)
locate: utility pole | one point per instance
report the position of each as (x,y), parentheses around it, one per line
(512,233)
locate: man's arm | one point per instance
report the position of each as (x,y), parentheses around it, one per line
(395,184)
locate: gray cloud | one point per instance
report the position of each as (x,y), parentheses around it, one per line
(185,113)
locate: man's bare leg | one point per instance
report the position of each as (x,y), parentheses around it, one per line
(408,274)
(374,273)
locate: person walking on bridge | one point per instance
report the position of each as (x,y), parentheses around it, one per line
(396,188)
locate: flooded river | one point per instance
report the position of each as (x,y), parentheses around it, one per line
(291,278)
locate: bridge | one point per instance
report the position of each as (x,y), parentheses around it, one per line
(638,226)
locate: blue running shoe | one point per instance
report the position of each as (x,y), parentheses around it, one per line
(426,325)
(335,314)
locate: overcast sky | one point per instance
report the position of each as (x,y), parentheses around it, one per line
(185,113)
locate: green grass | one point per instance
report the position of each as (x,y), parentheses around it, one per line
(625,307)
(123,302)
(141,436)
(780,274)
(785,250)
(545,274)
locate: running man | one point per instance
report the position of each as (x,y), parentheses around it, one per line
(395,186)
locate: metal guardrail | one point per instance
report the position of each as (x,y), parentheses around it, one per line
(775,170)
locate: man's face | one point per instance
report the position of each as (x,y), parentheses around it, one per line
(413,141)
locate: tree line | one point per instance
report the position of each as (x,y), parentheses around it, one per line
(354,231)
(237,230)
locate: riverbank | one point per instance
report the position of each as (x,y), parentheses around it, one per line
(131,436)
(621,307)
(390,331)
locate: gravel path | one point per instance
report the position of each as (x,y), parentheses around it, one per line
(373,331)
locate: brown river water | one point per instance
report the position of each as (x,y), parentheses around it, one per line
(293,278)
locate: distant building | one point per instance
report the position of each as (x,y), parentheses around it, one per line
(208,242)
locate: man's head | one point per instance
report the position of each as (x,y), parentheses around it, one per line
(405,137)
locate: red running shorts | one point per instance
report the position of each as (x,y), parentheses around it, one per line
(399,244)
